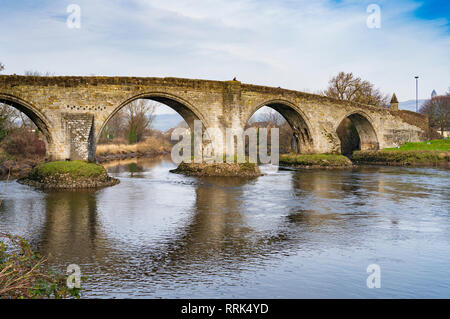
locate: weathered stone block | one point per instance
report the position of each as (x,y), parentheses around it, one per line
(72,111)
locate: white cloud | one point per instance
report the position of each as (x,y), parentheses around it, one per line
(292,44)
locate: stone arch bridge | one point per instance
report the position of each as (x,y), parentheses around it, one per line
(72,111)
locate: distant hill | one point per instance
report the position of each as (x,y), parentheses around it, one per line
(410,105)
(164,122)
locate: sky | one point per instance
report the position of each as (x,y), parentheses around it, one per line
(293,44)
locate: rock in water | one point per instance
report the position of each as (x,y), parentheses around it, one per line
(247,170)
(68,175)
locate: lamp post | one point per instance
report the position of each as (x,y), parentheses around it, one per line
(417,94)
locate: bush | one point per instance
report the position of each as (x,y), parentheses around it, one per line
(23,273)
(23,143)
(3,129)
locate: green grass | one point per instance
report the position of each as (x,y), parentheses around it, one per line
(73,168)
(434,145)
(402,157)
(315,160)
(429,152)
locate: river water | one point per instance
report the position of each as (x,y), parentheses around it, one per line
(290,234)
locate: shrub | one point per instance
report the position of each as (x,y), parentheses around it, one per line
(23,273)
(3,129)
(23,143)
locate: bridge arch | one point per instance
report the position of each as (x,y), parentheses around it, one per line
(186,110)
(356,132)
(296,118)
(32,112)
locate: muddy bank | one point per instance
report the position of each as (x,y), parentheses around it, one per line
(247,170)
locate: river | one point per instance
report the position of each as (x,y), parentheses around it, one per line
(290,234)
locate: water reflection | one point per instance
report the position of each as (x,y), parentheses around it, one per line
(288,234)
(71,225)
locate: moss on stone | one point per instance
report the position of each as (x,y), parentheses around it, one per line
(315,160)
(247,170)
(76,169)
(67,175)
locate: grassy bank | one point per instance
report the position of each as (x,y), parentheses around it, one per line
(434,145)
(435,152)
(68,175)
(400,157)
(315,160)
(152,146)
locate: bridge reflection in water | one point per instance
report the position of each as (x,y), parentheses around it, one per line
(287,234)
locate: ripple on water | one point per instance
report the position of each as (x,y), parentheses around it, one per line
(287,234)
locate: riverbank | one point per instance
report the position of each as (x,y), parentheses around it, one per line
(151,147)
(246,170)
(14,169)
(20,151)
(429,153)
(433,145)
(315,161)
(402,158)
(24,274)
(68,175)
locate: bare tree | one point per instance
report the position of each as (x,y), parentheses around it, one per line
(15,118)
(10,114)
(139,116)
(11,119)
(438,111)
(114,128)
(36,73)
(2,66)
(347,87)
(273,119)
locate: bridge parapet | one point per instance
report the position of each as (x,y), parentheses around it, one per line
(73,110)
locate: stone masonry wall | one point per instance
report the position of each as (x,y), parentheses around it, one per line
(75,109)
(79,134)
